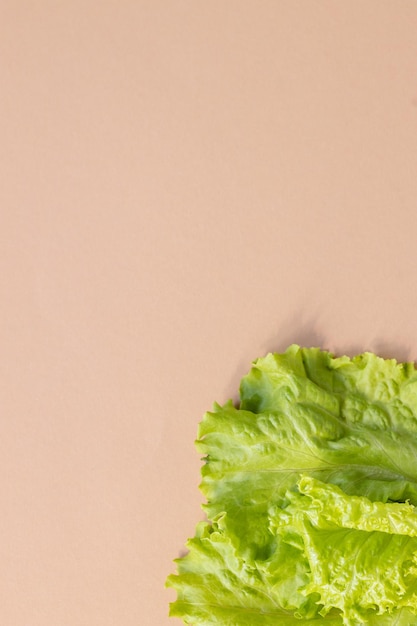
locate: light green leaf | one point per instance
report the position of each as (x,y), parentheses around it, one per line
(218,587)
(361,555)
(311,485)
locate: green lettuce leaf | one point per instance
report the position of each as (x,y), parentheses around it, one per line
(361,555)
(216,585)
(320,453)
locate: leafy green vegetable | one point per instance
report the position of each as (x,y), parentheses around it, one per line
(311,488)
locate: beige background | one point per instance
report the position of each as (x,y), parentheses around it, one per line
(185,185)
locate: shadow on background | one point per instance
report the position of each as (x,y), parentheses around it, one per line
(308,333)
(303,331)
(392,350)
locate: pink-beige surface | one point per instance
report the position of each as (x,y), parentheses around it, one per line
(185,186)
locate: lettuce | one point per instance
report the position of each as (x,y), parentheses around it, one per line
(311,488)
